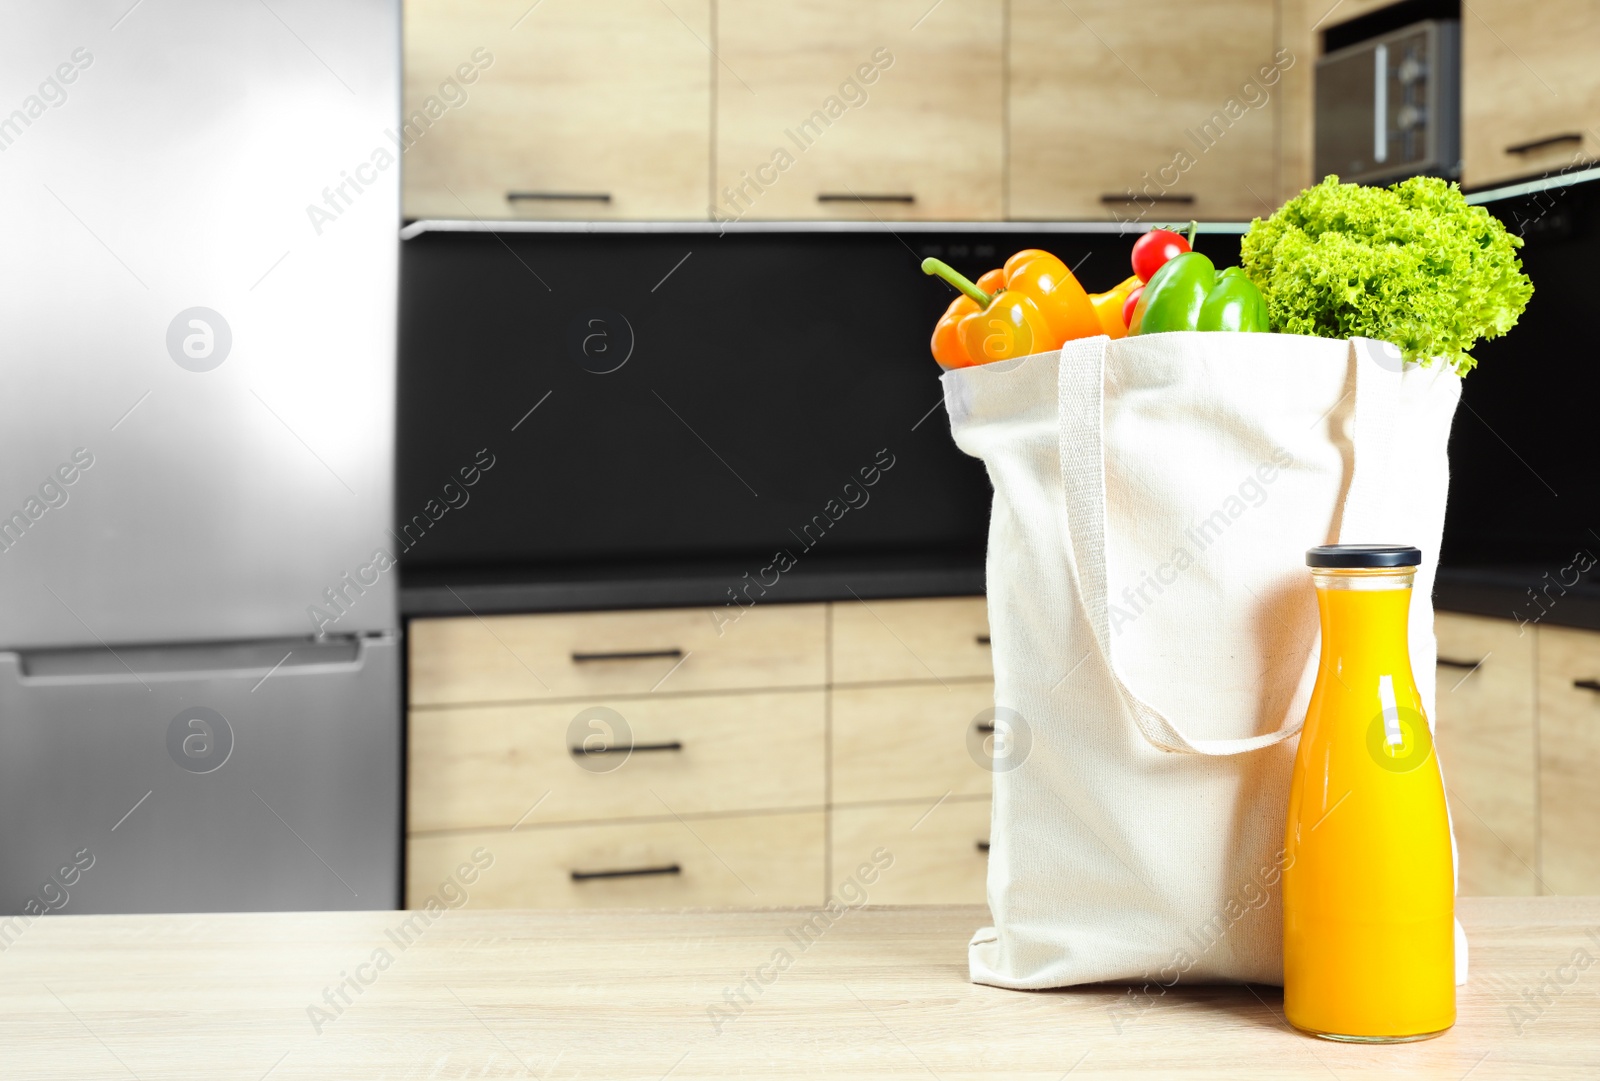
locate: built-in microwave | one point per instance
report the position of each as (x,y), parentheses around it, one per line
(1390,107)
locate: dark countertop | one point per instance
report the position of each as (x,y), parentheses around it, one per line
(1504,593)
(685,584)
(1501,593)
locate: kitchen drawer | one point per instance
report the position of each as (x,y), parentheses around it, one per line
(482,767)
(940,857)
(1485,721)
(802,133)
(732,861)
(602,654)
(1569,760)
(1530,90)
(909,742)
(578,109)
(941,638)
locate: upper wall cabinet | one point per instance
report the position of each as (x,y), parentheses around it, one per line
(1344,11)
(1530,88)
(1156,112)
(843,109)
(560,109)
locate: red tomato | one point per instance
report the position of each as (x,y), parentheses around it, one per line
(1131,303)
(1151,251)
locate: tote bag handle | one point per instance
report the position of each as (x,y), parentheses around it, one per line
(1081,388)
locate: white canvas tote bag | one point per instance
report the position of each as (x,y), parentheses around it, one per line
(1155,630)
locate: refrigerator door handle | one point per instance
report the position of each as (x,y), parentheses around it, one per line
(188,661)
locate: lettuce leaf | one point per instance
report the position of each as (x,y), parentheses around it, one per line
(1411,264)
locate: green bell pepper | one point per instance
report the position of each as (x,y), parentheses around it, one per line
(1187,293)
(1174,295)
(1234,304)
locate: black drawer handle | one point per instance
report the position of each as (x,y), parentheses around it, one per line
(1111,199)
(1540,144)
(635,655)
(559,196)
(986,727)
(1587,684)
(983,639)
(1450,662)
(635,872)
(835,197)
(674,745)
(983,846)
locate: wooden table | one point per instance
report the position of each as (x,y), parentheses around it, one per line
(646,995)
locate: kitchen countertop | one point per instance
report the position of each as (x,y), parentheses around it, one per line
(1509,592)
(682,584)
(1498,592)
(883,993)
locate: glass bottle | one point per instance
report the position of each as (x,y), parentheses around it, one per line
(1368,879)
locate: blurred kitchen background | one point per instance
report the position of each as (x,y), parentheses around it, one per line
(498,436)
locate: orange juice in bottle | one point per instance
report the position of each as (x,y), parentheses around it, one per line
(1368,880)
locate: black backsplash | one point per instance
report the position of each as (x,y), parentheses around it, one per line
(765,372)
(1523,450)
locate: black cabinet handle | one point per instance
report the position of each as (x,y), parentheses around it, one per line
(635,872)
(634,655)
(983,846)
(1540,144)
(559,196)
(1449,662)
(835,197)
(674,745)
(1587,684)
(1112,199)
(983,639)
(986,727)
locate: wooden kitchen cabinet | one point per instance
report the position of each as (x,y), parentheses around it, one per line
(812,734)
(932,639)
(939,852)
(602,654)
(744,754)
(920,134)
(910,742)
(1488,750)
(745,861)
(583,109)
(482,767)
(1344,11)
(1161,100)
(1530,89)
(1569,760)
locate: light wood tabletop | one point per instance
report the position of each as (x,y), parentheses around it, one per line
(881,993)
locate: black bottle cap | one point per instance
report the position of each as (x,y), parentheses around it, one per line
(1363,555)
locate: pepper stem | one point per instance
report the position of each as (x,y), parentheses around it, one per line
(940,269)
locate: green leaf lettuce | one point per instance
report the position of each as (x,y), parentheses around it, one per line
(1411,264)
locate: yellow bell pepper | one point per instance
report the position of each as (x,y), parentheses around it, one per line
(1108,306)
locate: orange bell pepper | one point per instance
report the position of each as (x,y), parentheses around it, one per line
(1053,287)
(1108,306)
(947,347)
(980,326)
(1031,305)
(1011,326)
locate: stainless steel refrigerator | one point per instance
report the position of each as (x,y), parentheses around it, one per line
(200,655)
